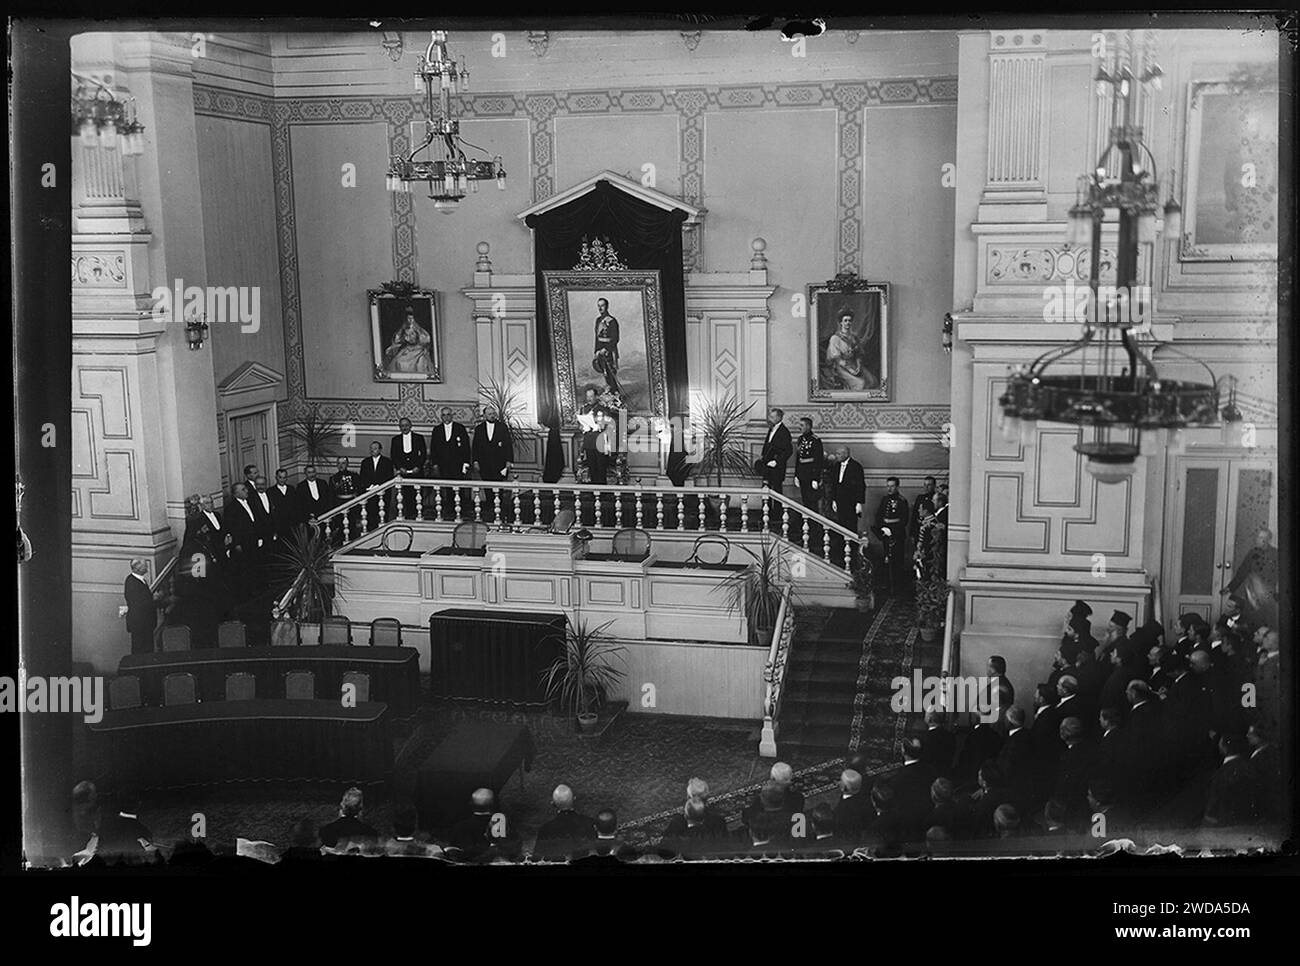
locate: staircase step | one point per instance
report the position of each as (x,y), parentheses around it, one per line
(835,740)
(819,678)
(825,659)
(828,715)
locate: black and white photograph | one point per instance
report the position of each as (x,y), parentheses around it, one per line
(518,446)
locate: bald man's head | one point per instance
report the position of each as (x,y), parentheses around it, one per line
(697,788)
(850,782)
(782,773)
(562,797)
(483,799)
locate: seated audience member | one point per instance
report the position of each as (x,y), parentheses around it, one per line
(912,790)
(854,813)
(406,841)
(890,831)
(993,792)
(1267,764)
(771,799)
(569,830)
(997,672)
(1108,819)
(471,837)
(697,824)
(766,835)
(1091,675)
(607,842)
(304,844)
(348,827)
(938,744)
(783,775)
(1077,768)
(191,851)
(1015,759)
(690,834)
(1111,760)
(86,816)
(1006,822)
(822,837)
(949,813)
(1232,798)
(1056,818)
(122,836)
(982,742)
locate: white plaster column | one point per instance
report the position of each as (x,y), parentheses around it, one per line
(1015,187)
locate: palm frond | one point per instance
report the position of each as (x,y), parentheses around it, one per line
(720,435)
(507,400)
(756,591)
(315,433)
(582,676)
(303,559)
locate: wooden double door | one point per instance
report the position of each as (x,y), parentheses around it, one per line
(1222,502)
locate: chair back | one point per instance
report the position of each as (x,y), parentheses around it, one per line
(176,637)
(178,688)
(386,632)
(308,635)
(470,535)
(361,681)
(124,692)
(300,685)
(284,631)
(241,686)
(563,521)
(710,550)
(336,630)
(231,634)
(397,539)
(631,543)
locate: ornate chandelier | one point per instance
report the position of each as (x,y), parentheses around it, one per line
(447,170)
(102,119)
(1125,394)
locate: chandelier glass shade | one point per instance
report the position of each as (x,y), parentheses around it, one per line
(439,161)
(1104,381)
(103,119)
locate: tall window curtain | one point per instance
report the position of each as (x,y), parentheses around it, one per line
(645,237)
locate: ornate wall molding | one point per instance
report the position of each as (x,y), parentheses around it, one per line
(857,417)
(99,269)
(1044,264)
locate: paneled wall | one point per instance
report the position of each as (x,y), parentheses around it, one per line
(873,119)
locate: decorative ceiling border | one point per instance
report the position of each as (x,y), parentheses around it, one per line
(850,100)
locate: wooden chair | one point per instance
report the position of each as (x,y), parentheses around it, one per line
(386,632)
(469,536)
(300,685)
(336,630)
(308,635)
(397,540)
(231,634)
(176,637)
(179,688)
(563,521)
(362,682)
(241,686)
(710,550)
(124,692)
(631,543)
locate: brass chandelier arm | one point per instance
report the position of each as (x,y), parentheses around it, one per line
(1056,354)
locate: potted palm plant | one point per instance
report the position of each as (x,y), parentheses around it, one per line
(582,677)
(303,563)
(719,441)
(862,583)
(506,401)
(315,433)
(756,591)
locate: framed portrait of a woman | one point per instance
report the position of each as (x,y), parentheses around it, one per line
(848,331)
(404,335)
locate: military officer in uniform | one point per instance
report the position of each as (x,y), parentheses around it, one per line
(809,464)
(344,485)
(891,528)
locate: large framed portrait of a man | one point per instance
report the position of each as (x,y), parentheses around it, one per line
(607,335)
(848,334)
(1232,173)
(404,336)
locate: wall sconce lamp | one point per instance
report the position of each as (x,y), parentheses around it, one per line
(947,332)
(195,332)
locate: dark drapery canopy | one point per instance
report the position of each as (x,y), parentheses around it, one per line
(646,237)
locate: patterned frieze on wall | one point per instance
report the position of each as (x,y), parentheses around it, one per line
(691,105)
(849,417)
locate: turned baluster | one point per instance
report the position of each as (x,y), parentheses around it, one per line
(848,554)
(555,504)
(419,503)
(659,509)
(638,509)
(437,503)
(805,533)
(496,505)
(785,521)
(826,545)
(455,501)
(519,518)
(767,504)
(681,512)
(537,505)
(478,504)
(365,522)
(399,490)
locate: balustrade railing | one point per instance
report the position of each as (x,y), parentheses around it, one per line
(774,675)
